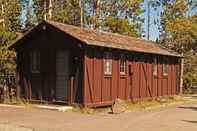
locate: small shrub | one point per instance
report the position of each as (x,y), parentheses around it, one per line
(15,101)
(189,79)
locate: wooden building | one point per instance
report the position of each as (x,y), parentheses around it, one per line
(63,63)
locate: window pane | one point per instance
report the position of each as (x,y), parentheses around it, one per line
(122,65)
(155,67)
(35,62)
(107,64)
(165,67)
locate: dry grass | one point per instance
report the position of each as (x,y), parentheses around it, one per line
(15,101)
(132,106)
(83,110)
(148,104)
(8,127)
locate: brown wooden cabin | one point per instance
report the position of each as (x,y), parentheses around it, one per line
(59,62)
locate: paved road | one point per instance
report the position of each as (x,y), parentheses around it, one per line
(179,118)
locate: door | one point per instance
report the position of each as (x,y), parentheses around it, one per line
(62,76)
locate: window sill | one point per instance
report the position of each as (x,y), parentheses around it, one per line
(155,77)
(165,76)
(107,76)
(35,72)
(123,75)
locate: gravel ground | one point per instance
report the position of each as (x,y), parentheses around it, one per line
(176,118)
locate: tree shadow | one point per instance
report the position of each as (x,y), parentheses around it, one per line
(194,122)
(194,108)
(194,96)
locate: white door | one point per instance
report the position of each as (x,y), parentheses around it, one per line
(62,75)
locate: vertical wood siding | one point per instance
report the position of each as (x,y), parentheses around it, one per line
(100,89)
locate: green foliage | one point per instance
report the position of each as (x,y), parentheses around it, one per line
(40,9)
(117,16)
(121,26)
(189,80)
(67,12)
(6,38)
(97,14)
(190,71)
(179,33)
(11,13)
(64,11)
(178,29)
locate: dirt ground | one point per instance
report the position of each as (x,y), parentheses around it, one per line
(176,118)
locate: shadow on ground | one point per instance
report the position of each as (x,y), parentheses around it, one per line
(194,108)
(194,122)
(194,96)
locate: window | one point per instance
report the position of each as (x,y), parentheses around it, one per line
(165,67)
(107,63)
(122,65)
(155,67)
(35,62)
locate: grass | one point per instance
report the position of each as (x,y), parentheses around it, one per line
(147,104)
(18,102)
(8,127)
(83,110)
(132,106)
(129,105)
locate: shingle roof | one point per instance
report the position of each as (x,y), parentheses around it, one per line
(112,40)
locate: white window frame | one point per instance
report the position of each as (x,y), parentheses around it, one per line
(122,64)
(35,62)
(165,67)
(155,67)
(108,63)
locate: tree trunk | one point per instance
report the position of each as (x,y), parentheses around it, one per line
(2,11)
(50,9)
(97,22)
(82,12)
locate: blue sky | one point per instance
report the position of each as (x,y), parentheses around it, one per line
(154,32)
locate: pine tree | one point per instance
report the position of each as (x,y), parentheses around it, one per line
(179,33)
(67,11)
(10,14)
(10,24)
(178,29)
(117,16)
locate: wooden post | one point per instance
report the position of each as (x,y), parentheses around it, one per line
(71,89)
(29,90)
(181,76)
(25,84)
(18,86)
